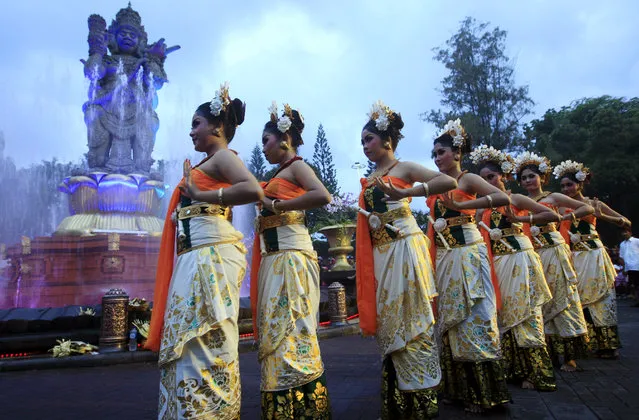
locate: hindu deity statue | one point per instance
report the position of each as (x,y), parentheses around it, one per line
(120,113)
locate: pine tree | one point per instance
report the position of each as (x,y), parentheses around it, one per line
(257,165)
(480,87)
(370,169)
(323,160)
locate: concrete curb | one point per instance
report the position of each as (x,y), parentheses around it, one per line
(106,359)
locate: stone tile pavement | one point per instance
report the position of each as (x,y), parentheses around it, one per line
(605,390)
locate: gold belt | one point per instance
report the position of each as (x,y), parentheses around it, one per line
(196,210)
(550,227)
(512,231)
(460,220)
(392,215)
(282,219)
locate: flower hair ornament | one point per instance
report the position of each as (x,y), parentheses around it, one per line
(381,114)
(485,153)
(286,120)
(569,166)
(530,158)
(221,100)
(456,131)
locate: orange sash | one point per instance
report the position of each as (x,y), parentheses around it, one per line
(167,255)
(365,265)
(276,188)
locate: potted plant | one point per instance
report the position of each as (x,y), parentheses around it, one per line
(337,224)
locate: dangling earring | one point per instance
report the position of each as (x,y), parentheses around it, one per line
(387,145)
(215,132)
(284,145)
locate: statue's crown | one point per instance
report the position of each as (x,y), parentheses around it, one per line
(129,17)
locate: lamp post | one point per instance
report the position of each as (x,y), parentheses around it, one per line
(358,166)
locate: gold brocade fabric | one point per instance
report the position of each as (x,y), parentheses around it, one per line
(405,319)
(467,304)
(596,283)
(563,315)
(523,293)
(305,402)
(398,404)
(527,364)
(473,383)
(288,301)
(199,349)
(282,219)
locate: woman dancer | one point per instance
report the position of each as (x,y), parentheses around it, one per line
(520,275)
(595,272)
(468,296)
(395,285)
(196,301)
(285,283)
(564,323)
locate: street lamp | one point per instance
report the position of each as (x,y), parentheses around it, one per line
(358,166)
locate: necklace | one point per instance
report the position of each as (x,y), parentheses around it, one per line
(383,173)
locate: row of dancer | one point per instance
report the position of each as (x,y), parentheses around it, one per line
(401,293)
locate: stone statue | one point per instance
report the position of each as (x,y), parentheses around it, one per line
(120,113)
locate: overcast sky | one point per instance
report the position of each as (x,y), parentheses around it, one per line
(330,59)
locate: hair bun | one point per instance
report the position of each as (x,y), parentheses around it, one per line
(238,111)
(397,121)
(298,121)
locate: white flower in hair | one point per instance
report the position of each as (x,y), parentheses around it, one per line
(381,114)
(455,130)
(530,158)
(569,166)
(506,167)
(284,123)
(220,100)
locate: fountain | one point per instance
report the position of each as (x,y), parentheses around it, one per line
(111,237)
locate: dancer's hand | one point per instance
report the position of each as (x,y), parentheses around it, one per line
(392,193)
(189,189)
(449,202)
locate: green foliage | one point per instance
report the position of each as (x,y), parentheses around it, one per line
(257,164)
(480,87)
(323,161)
(422,219)
(603,134)
(370,168)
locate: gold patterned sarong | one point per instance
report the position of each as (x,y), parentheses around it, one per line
(563,315)
(199,350)
(292,371)
(405,319)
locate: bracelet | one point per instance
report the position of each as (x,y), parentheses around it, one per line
(277,200)
(490,201)
(220,196)
(425,187)
(531,218)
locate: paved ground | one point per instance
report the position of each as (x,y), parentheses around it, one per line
(605,390)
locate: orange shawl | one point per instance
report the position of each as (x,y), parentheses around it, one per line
(167,256)
(365,266)
(276,188)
